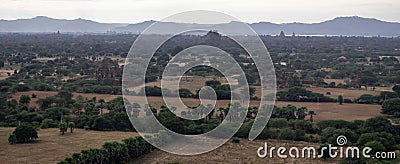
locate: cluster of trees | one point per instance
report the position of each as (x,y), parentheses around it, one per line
(377,133)
(300,94)
(379,99)
(223,91)
(23,134)
(291,112)
(116,152)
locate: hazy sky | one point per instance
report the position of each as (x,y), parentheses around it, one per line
(133,11)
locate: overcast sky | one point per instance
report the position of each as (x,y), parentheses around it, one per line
(133,11)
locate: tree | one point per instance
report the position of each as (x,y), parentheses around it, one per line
(340,99)
(396,88)
(24,99)
(63,127)
(311,113)
(376,146)
(25,134)
(116,105)
(391,107)
(12,139)
(71,126)
(301,113)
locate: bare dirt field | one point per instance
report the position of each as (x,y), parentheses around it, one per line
(53,147)
(243,152)
(4,73)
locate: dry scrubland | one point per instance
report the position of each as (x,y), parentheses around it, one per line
(325,111)
(53,147)
(243,152)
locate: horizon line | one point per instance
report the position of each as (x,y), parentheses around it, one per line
(261,21)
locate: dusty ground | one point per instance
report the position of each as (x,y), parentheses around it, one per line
(4,75)
(53,147)
(243,152)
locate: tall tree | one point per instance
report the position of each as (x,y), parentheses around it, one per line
(340,99)
(311,113)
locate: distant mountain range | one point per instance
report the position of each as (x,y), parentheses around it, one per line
(354,26)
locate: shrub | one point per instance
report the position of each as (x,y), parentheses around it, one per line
(391,107)
(25,134)
(12,139)
(278,123)
(49,123)
(235,140)
(287,134)
(86,127)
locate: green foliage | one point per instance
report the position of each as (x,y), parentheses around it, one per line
(102,124)
(287,134)
(376,146)
(235,140)
(21,88)
(330,134)
(56,113)
(25,134)
(340,99)
(116,105)
(386,139)
(391,107)
(278,123)
(63,127)
(24,99)
(337,124)
(71,126)
(49,123)
(367,99)
(12,139)
(113,152)
(396,88)
(302,95)
(117,152)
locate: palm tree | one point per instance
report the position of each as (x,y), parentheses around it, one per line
(173,109)
(71,126)
(301,113)
(311,113)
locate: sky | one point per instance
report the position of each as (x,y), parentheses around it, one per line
(134,11)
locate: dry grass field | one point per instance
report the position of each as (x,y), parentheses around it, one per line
(53,147)
(243,152)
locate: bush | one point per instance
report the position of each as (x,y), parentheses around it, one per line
(49,123)
(86,127)
(235,140)
(25,134)
(287,134)
(113,152)
(386,139)
(278,123)
(391,107)
(12,139)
